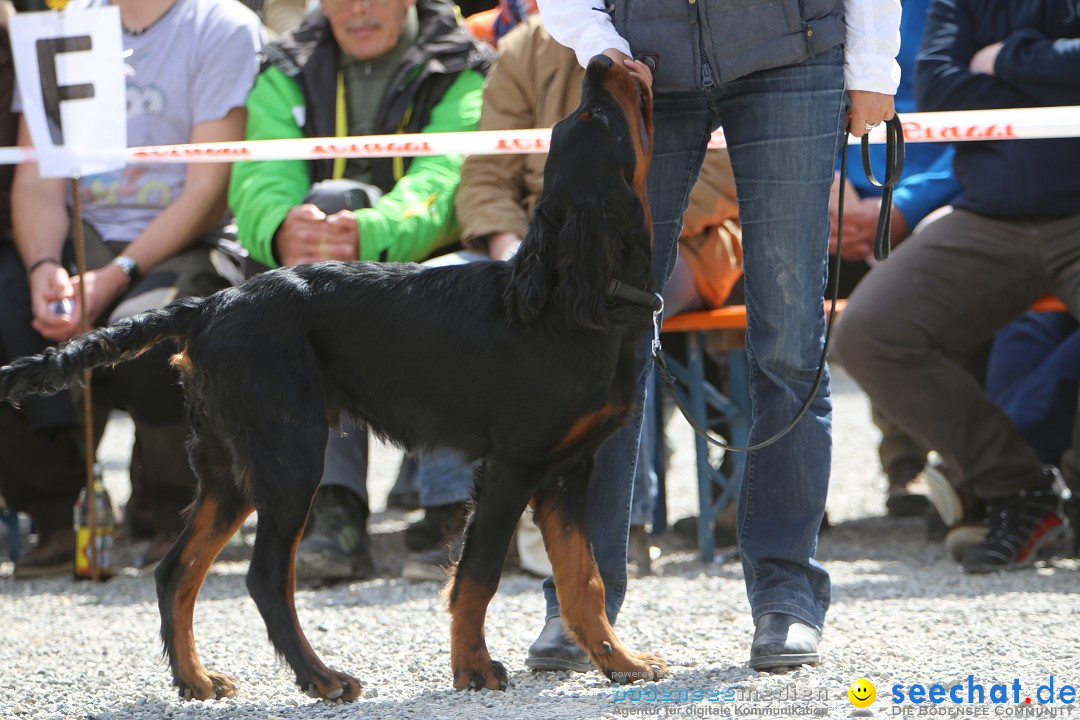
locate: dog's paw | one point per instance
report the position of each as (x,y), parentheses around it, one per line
(635,667)
(491,676)
(338,686)
(209,685)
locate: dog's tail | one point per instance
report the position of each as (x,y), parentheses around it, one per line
(61,367)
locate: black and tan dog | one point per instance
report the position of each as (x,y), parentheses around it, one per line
(528,366)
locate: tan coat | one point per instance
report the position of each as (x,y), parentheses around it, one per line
(534,83)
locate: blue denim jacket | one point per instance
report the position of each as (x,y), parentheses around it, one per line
(700,43)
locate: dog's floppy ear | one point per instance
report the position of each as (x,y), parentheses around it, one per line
(534,273)
(584,262)
(567,264)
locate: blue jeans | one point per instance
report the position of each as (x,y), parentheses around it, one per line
(783,129)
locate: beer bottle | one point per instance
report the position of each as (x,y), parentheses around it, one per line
(105,515)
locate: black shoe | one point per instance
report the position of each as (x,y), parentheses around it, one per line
(908,494)
(440,522)
(553,650)
(782,641)
(408,500)
(335,544)
(1018,526)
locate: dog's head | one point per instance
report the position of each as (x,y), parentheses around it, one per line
(592,221)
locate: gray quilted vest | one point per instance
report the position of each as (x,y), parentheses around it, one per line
(701,43)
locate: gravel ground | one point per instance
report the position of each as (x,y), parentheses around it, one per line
(902,614)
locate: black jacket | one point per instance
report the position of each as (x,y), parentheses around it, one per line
(1038,65)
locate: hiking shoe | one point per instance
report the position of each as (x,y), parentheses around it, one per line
(54,555)
(1018,526)
(908,491)
(335,545)
(439,524)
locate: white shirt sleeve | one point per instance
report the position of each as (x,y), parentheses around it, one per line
(583,26)
(873,40)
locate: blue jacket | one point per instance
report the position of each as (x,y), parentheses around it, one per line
(928,182)
(1039,65)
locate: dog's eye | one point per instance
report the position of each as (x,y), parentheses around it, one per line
(601,117)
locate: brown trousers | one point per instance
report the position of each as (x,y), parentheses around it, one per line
(913,324)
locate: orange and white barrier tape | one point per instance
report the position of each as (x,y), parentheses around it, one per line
(959,126)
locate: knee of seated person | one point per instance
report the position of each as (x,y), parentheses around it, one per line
(865,339)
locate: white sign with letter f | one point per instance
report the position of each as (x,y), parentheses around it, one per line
(70,70)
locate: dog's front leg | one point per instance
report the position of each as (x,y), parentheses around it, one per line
(502,495)
(560,512)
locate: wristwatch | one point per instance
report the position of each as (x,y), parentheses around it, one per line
(127,264)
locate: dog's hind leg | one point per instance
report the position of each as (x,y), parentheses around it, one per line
(502,494)
(560,511)
(283,495)
(221,505)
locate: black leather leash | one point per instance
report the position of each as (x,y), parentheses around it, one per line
(894,167)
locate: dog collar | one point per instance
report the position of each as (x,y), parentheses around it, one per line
(621,291)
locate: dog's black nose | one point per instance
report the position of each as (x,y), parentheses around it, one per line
(596,71)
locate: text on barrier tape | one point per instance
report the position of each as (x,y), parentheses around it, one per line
(958,126)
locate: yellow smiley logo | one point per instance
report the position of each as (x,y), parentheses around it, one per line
(862,693)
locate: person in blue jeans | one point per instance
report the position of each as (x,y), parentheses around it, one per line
(775,81)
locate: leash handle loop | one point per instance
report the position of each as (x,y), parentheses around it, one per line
(894,168)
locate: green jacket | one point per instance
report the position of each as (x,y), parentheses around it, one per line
(438,88)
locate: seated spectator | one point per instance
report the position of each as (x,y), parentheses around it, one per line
(377,67)
(927,184)
(144,229)
(913,322)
